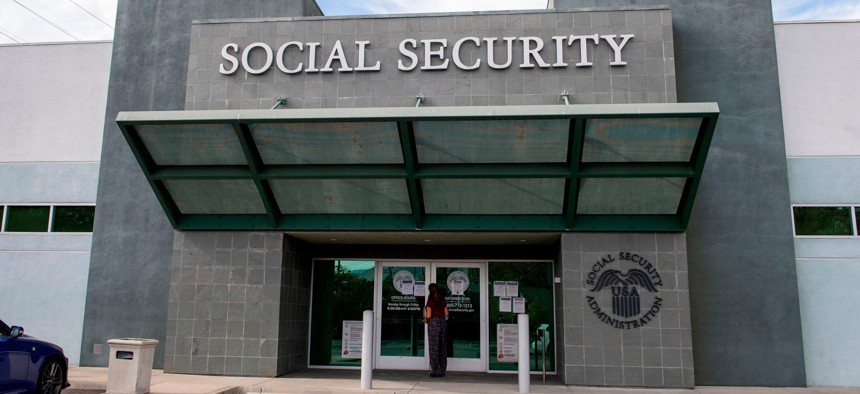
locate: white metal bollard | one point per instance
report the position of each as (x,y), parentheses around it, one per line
(523,361)
(367,350)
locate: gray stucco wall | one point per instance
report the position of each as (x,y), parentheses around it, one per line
(819,101)
(48,182)
(746,329)
(47,294)
(52,106)
(826,269)
(129,272)
(53,101)
(47,297)
(824,180)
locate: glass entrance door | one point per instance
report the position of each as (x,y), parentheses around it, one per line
(467,317)
(401,334)
(401,338)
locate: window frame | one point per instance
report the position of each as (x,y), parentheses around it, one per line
(853,211)
(54,214)
(4,217)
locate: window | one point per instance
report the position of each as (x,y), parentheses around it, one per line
(342,291)
(535,284)
(28,219)
(73,219)
(825,220)
(47,218)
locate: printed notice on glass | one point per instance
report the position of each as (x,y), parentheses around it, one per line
(512,288)
(506,339)
(519,305)
(504,304)
(407,286)
(499,288)
(420,289)
(351,343)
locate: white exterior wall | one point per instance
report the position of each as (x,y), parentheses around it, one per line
(51,122)
(820,93)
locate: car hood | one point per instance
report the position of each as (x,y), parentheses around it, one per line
(36,341)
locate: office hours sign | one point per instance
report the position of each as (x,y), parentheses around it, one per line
(404,298)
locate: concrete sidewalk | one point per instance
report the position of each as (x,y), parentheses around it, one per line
(94,380)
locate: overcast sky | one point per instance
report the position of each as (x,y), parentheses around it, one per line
(28,21)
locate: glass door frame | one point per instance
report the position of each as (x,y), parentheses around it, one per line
(465,364)
(422,363)
(428,264)
(395,362)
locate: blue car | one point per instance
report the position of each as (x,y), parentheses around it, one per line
(28,365)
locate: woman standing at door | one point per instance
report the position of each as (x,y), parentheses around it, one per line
(435,316)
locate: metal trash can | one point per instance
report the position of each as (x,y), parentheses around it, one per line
(130,365)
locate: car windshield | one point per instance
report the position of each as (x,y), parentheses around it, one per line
(4,330)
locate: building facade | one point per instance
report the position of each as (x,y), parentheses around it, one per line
(52,107)
(660,66)
(821,153)
(619,173)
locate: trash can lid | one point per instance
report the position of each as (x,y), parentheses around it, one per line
(133,341)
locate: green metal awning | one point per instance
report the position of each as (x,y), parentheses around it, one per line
(620,167)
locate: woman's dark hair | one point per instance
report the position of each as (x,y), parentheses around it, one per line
(439,296)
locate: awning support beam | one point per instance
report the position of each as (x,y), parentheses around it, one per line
(279,102)
(413,185)
(565,96)
(255,163)
(574,151)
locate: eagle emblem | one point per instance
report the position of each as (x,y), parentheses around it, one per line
(625,296)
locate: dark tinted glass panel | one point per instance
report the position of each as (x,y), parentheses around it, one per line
(492,141)
(342,291)
(464,306)
(506,196)
(635,140)
(330,196)
(328,143)
(630,196)
(216,196)
(27,219)
(73,219)
(402,324)
(197,144)
(532,281)
(822,221)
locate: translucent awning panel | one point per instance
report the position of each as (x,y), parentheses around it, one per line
(509,196)
(640,140)
(630,196)
(342,196)
(492,141)
(216,196)
(192,144)
(600,167)
(328,143)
